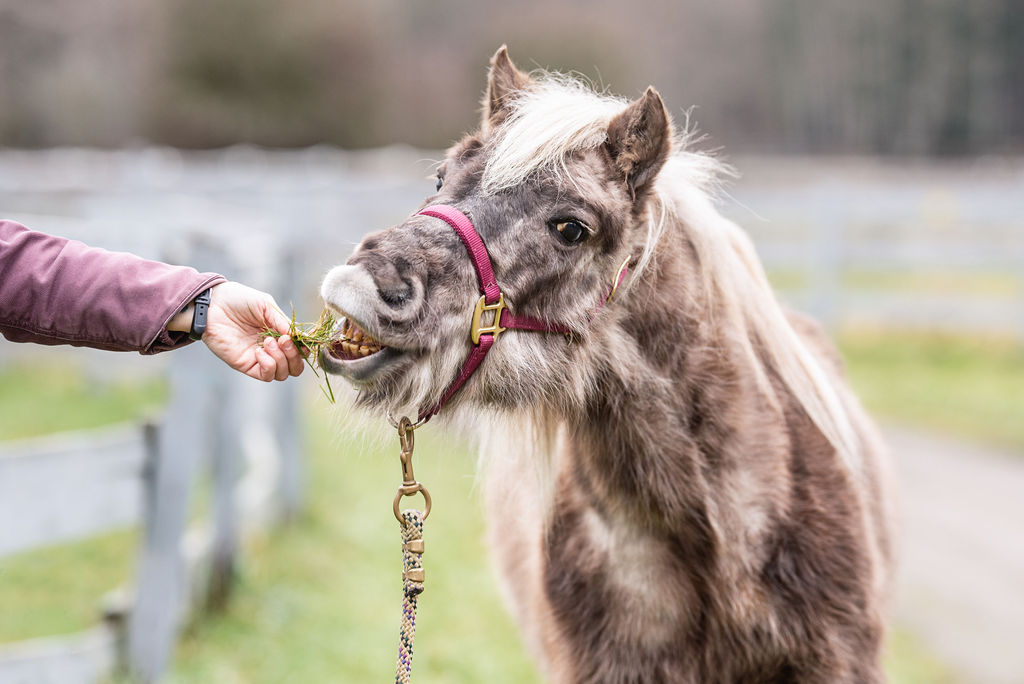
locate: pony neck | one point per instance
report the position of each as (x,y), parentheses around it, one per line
(676,404)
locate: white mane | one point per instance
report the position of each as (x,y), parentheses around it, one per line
(559,116)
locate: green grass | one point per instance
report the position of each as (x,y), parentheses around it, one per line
(40,399)
(57,590)
(320,600)
(951,282)
(959,282)
(908,662)
(970,387)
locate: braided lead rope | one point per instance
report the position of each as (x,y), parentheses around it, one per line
(412,587)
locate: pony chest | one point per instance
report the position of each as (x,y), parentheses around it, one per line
(613,577)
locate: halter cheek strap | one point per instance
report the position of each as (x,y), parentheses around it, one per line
(491,301)
(463,227)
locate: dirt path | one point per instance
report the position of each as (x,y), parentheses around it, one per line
(961,585)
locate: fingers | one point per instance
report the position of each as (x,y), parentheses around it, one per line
(293,354)
(265,368)
(283,350)
(238,316)
(280,368)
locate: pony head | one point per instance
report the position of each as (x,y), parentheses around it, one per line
(557,182)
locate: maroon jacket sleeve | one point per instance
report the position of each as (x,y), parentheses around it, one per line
(59,291)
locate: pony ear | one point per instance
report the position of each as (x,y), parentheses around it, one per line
(639,141)
(503,83)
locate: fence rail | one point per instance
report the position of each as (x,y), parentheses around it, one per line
(857,235)
(70,486)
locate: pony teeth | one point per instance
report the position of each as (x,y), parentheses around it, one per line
(353,345)
(353,333)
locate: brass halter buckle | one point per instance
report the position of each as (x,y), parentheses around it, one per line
(410,487)
(495,327)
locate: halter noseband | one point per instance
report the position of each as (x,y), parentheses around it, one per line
(491,300)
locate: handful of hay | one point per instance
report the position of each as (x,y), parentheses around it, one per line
(311,338)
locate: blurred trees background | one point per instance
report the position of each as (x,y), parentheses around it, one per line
(906,77)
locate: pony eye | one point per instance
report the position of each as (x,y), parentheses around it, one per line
(570,231)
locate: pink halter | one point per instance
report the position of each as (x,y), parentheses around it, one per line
(492,300)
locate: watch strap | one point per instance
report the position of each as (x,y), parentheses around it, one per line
(201,308)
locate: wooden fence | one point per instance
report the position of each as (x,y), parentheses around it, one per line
(240,432)
(893,253)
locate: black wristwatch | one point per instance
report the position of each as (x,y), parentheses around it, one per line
(202,306)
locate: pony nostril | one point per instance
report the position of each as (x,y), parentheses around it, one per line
(394,286)
(395,281)
(396,297)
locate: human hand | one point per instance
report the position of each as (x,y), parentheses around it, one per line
(237,316)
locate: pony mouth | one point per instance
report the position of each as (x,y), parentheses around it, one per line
(353,343)
(356,355)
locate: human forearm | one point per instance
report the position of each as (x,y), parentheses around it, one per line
(182,321)
(59,291)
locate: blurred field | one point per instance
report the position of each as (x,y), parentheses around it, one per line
(57,590)
(973,387)
(319,600)
(49,397)
(934,281)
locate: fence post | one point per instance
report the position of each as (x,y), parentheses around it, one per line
(162,597)
(151,442)
(160,589)
(226,465)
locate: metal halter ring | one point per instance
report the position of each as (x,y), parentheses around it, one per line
(396,423)
(409,484)
(411,491)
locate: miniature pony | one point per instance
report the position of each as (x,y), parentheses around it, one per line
(681,488)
